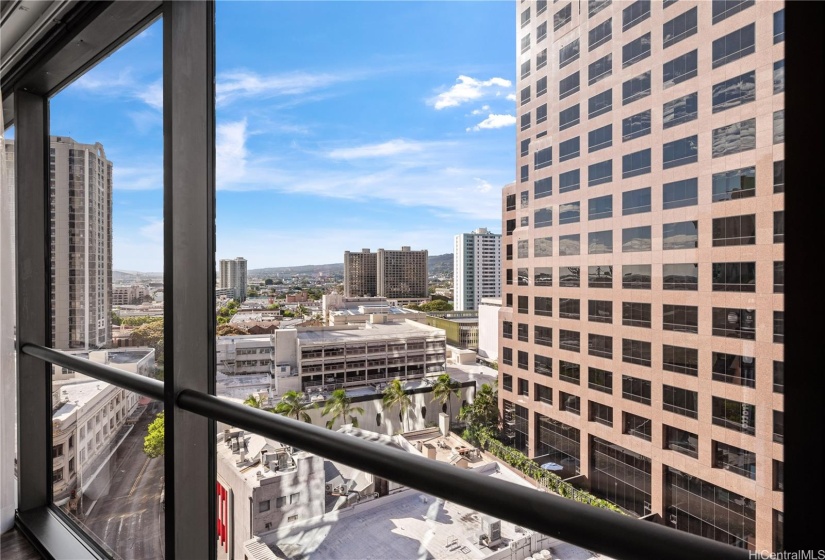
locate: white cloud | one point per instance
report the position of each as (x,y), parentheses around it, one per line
(230,151)
(152,95)
(141,178)
(243,84)
(467,89)
(511,97)
(153,231)
(391,148)
(494,121)
(484,109)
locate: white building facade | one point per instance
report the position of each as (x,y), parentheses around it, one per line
(233,276)
(476,268)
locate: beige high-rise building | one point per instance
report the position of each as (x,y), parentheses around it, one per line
(233,276)
(81,225)
(641,340)
(388,273)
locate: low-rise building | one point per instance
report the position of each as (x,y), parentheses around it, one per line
(91,417)
(129,295)
(461,327)
(488,325)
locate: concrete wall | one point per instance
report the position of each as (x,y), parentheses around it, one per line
(488,328)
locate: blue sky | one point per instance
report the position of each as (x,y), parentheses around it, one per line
(341,125)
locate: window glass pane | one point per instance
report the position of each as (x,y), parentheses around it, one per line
(596,6)
(600,69)
(734,230)
(569,181)
(735,138)
(734,46)
(636,50)
(779,26)
(569,213)
(569,85)
(636,88)
(600,311)
(600,34)
(562,17)
(680,360)
(600,138)
(600,276)
(543,217)
(569,308)
(569,149)
(635,13)
(680,235)
(680,276)
(679,28)
(680,193)
(600,242)
(636,239)
(569,276)
(680,69)
(681,110)
(680,152)
(569,117)
(779,126)
(635,126)
(636,202)
(568,53)
(599,173)
(779,76)
(736,184)
(734,92)
(723,9)
(569,245)
(779,176)
(543,158)
(543,247)
(600,207)
(637,163)
(600,103)
(636,276)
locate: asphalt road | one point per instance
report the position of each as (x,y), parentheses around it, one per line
(128,517)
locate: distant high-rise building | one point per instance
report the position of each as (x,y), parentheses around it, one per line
(391,274)
(81,249)
(233,276)
(476,268)
(360,274)
(642,323)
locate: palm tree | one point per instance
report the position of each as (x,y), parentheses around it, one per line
(395,395)
(339,405)
(443,389)
(483,411)
(254,401)
(294,403)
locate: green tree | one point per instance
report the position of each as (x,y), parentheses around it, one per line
(269,282)
(151,335)
(339,405)
(153,442)
(254,401)
(295,404)
(482,413)
(436,305)
(396,396)
(116,320)
(300,311)
(443,389)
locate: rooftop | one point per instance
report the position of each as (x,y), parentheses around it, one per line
(128,357)
(371,331)
(77,395)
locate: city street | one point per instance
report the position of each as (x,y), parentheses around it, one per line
(128,517)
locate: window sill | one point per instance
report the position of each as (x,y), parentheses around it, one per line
(52,536)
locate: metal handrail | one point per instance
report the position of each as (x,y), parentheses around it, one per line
(595,529)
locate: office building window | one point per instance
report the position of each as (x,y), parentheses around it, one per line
(636,426)
(637,163)
(569,276)
(734,46)
(681,441)
(525,122)
(559,443)
(569,213)
(735,138)
(541,6)
(779,277)
(679,28)
(734,230)
(562,17)
(600,207)
(525,17)
(600,345)
(523,304)
(620,476)
(569,85)
(600,138)
(600,242)
(523,387)
(569,308)
(596,6)
(779,227)
(263,506)
(543,247)
(779,76)
(730,185)
(779,326)
(733,277)
(600,277)
(525,174)
(636,201)
(680,69)
(635,13)
(636,314)
(541,32)
(600,69)
(569,245)
(600,413)
(543,187)
(570,372)
(569,181)
(779,126)
(679,194)
(569,149)
(680,235)
(733,322)
(570,403)
(543,365)
(541,86)
(680,152)
(600,34)
(635,389)
(778,426)
(600,103)
(525,148)
(525,69)
(599,173)
(600,311)
(680,277)
(636,276)
(723,9)
(778,475)
(778,377)
(680,401)
(734,415)
(543,276)
(636,50)
(541,159)
(636,126)
(779,176)
(507,329)
(569,340)
(525,95)
(543,306)
(507,382)
(679,359)
(636,352)
(541,59)
(543,394)
(600,380)
(525,43)
(523,277)
(543,335)
(523,332)
(734,92)
(636,239)
(569,117)
(636,88)
(680,318)
(507,355)
(680,110)
(568,53)
(779,26)
(733,369)
(543,217)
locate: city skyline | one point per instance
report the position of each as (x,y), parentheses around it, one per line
(417,136)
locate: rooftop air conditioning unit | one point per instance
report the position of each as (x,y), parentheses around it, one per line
(492,528)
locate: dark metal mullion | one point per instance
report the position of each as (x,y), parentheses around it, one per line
(34,321)
(189,273)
